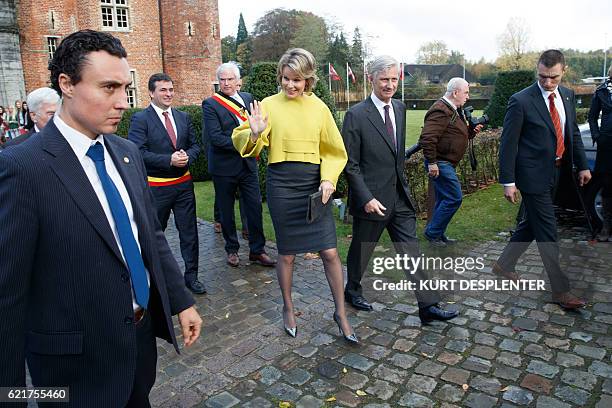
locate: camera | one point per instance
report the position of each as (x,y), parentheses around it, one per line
(475,121)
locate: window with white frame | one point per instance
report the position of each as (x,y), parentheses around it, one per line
(131,91)
(51,46)
(115,14)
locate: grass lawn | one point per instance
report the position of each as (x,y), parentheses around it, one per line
(482,215)
(414,124)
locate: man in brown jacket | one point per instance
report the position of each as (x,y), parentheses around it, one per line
(444,139)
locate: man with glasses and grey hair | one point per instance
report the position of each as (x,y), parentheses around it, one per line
(43,102)
(374,133)
(444,139)
(221,113)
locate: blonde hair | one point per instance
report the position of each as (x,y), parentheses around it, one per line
(301,62)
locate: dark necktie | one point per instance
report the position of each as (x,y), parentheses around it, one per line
(169,128)
(556,120)
(131,253)
(389,126)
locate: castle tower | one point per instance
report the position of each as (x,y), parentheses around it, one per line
(192,47)
(12,87)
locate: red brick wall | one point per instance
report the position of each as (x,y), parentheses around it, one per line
(191,61)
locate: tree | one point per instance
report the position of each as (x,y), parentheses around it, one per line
(242,35)
(433,52)
(339,50)
(228,48)
(243,57)
(272,34)
(311,34)
(356,56)
(513,43)
(456,57)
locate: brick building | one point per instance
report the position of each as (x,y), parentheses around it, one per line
(179,37)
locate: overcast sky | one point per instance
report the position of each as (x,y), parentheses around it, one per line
(398,28)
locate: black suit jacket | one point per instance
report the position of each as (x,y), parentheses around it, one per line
(375,167)
(528,141)
(217,127)
(65,293)
(150,135)
(19,139)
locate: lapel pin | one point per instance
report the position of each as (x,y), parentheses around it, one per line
(126,159)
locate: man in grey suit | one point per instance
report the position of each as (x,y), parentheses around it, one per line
(374,133)
(540,136)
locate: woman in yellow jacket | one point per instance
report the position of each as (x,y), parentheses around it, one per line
(306,154)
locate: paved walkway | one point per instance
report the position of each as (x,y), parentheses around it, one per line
(506,349)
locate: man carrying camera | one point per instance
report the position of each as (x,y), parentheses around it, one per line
(444,139)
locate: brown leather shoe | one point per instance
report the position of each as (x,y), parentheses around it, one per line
(233,260)
(217,227)
(568,301)
(262,259)
(245,234)
(513,276)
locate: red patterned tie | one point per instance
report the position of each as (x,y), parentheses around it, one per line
(170,129)
(556,120)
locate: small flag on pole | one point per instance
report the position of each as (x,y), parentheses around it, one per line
(333,74)
(350,73)
(401,72)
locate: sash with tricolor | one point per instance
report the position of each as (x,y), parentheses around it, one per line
(231,105)
(163,181)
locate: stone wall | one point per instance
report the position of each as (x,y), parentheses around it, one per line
(11,73)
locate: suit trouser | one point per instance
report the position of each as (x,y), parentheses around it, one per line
(538,223)
(146,363)
(225,196)
(180,199)
(241,205)
(401,226)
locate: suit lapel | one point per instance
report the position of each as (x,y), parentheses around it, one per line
(376,120)
(160,126)
(178,121)
(68,169)
(568,114)
(129,175)
(540,105)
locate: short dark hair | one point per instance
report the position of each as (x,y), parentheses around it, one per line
(550,58)
(156,78)
(72,52)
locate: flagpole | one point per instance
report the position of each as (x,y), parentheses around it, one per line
(348,95)
(329,75)
(365,92)
(402,74)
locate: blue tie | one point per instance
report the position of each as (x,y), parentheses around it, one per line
(130,249)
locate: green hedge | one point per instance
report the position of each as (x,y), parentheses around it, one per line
(507,84)
(199,169)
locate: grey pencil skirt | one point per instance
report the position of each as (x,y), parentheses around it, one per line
(288,185)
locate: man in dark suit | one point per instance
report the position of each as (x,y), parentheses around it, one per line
(92,280)
(374,133)
(540,135)
(42,103)
(221,113)
(168,144)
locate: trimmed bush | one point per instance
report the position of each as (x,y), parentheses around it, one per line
(507,84)
(262,80)
(199,169)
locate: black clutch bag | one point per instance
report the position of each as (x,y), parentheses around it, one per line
(316,206)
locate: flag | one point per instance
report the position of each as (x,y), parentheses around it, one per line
(333,74)
(350,73)
(401,72)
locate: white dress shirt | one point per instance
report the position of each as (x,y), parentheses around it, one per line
(160,114)
(80,144)
(380,105)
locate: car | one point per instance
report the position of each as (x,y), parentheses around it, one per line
(588,197)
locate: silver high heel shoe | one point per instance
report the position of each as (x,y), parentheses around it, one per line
(351,338)
(291,331)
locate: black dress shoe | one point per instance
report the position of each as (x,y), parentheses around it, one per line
(359,302)
(196,287)
(435,242)
(435,312)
